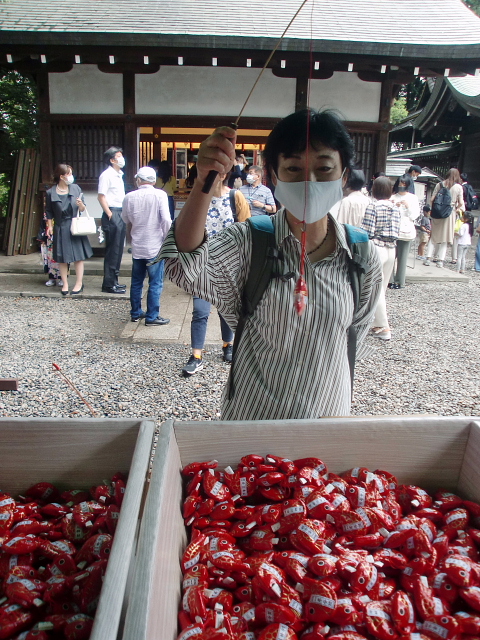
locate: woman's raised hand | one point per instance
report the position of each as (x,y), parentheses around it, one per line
(217,153)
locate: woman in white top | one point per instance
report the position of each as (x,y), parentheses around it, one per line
(443,229)
(409,209)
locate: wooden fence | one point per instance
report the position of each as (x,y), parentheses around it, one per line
(25,206)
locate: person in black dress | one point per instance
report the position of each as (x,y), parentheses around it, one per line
(64,200)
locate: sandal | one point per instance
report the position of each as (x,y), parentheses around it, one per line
(453,262)
(383,333)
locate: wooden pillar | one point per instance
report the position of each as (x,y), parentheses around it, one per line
(130,133)
(301,93)
(384,118)
(46,143)
(157,144)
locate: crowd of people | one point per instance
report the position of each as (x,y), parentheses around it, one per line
(209,255)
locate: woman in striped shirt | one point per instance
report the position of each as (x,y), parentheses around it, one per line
(286,365)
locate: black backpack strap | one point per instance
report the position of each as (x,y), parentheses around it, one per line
(358,243)
(233,205)
(264,255)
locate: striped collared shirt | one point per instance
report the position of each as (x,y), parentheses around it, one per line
(286,366)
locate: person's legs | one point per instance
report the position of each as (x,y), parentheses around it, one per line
(403,249)
(139,269)
(79,270)
(477,255)
(461,257)
(155,287)
(198,328)
(171,206)
(63,266)
(387,257)
(227,333)
(114,232)
(455,250)
(442,252)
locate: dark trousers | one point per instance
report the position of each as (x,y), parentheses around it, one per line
(114,232)
(198,328)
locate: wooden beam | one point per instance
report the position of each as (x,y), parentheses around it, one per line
(301,93)
(130,151)
(386,96)
(157,142)
(129,92)
(46,146)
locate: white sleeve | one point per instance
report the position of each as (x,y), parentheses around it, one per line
(103,183)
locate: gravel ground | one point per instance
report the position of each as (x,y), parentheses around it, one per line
(431,365)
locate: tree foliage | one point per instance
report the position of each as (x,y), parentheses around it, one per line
(18,124)
(399,110)
(474,5)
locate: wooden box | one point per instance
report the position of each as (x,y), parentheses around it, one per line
(76,454)
(432,452)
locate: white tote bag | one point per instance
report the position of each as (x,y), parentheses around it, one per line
(83,225)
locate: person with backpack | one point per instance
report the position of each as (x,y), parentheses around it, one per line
(469,196)
(226,207)
(285,364)
(447,204)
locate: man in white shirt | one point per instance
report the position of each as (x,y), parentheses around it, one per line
(111,192)
(147,216)
(352,207)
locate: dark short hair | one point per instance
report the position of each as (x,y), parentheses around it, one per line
(406,179)
(415,168)
(427,208)
(382,188)
(464,177)
(154,163)
(60,170)
(379,174)
(289,136)
(110,154)
(356,180)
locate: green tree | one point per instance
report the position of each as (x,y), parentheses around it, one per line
(399,110)
(474,5)
(18,124)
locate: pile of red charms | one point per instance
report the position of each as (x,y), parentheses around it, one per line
(285,550)
(54,549)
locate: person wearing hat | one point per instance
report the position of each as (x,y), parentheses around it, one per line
(147,218)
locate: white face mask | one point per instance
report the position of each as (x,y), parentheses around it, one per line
(321,196)
(120,162)
(251,179)
(69,179)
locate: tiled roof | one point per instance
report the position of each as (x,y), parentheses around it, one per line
(425,22)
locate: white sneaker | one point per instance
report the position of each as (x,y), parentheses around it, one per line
(50,283)
(421,258)
(440,264)
(59,282)
(427,262)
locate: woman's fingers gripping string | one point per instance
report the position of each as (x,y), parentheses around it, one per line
(217,152)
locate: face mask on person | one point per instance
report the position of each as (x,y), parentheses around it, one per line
(120,162)
(251,179)
(320,197)
(402,189)
(69,179)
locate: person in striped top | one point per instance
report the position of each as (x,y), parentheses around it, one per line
(286,365)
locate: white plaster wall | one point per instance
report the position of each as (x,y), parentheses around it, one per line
(213,91)
(354,98)
(85,89)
